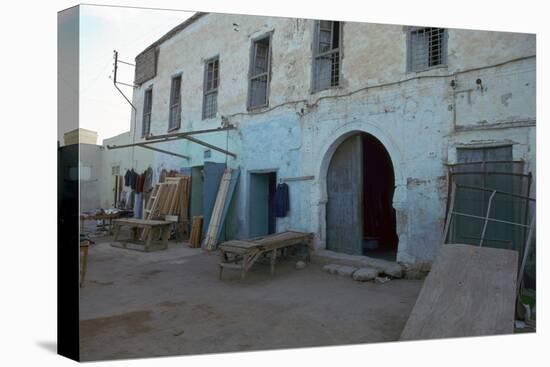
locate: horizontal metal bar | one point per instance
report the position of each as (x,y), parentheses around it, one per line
(126,62)
(482,162)
(126,84)
(142,143)
(164,151)
(187,133)
(497,191)
(490,173)
(490,219)
(213,147)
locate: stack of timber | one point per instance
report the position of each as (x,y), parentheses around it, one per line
(169,198)
(210,240)
(196,231)
(470,291)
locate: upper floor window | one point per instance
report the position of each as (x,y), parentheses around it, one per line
(175,104)
(210,90)
(259,75)
(427,47)
(147,108)
(327,55)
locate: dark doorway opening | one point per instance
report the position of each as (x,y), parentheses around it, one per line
(261,203)
(379,232)
(361,219)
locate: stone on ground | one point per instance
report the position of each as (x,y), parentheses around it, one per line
(300,265)
(365,274)
(331,268)
(381,280)
(393,270)
(346,271)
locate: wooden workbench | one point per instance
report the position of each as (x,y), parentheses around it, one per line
(241,255)
(155,229)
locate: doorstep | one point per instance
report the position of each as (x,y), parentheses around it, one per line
(390,268)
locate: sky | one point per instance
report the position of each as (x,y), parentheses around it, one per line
(102,30)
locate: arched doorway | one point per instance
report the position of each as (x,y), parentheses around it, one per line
(360,218)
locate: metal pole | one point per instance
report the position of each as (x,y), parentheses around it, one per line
(450,213)
(487,218)
(196,132)
(164,151)
(526,253)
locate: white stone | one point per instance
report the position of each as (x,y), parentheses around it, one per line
(365,274)
(381,280)
(393,270)
(346,271)
(300,265)
(331,268)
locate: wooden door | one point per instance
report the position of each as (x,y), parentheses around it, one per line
(344,214)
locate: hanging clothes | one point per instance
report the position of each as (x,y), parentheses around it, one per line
(281,202)
(139,183)
(133,179)
(138,206)
(148,180)
(127,178)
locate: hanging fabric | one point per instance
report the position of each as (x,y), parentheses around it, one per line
(282,202)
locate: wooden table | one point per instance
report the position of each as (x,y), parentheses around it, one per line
(241,255)
(103,217)
(153,229)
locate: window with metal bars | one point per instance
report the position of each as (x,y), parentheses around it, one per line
(147,108)
(210,90)
(260,69)
(327,55)
(427,47)
(174,120)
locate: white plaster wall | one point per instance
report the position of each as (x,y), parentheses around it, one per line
(419,117)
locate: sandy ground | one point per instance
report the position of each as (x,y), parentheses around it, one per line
(171,302)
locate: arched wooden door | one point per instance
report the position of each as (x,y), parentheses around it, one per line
(345,199)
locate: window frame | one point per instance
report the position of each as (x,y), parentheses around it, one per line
(251,67)
(444,48)
(315,55)
(147,113)
(205,91)
(171,104)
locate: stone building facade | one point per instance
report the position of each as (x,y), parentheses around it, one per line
(422,93)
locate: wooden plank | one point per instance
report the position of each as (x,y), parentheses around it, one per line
(196,231)
(215,220)
(145,222)
(470,291)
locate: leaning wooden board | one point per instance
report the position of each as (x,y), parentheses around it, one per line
(470,291)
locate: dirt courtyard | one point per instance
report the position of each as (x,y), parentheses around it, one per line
(136,305)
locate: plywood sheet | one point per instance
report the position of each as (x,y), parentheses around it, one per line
(470,291)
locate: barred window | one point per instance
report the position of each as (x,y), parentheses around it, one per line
(427,48)
(175,104)
(260,69)
(210,90)
(147,108)
(326,63)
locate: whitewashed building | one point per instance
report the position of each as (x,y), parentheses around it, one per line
(360,120)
